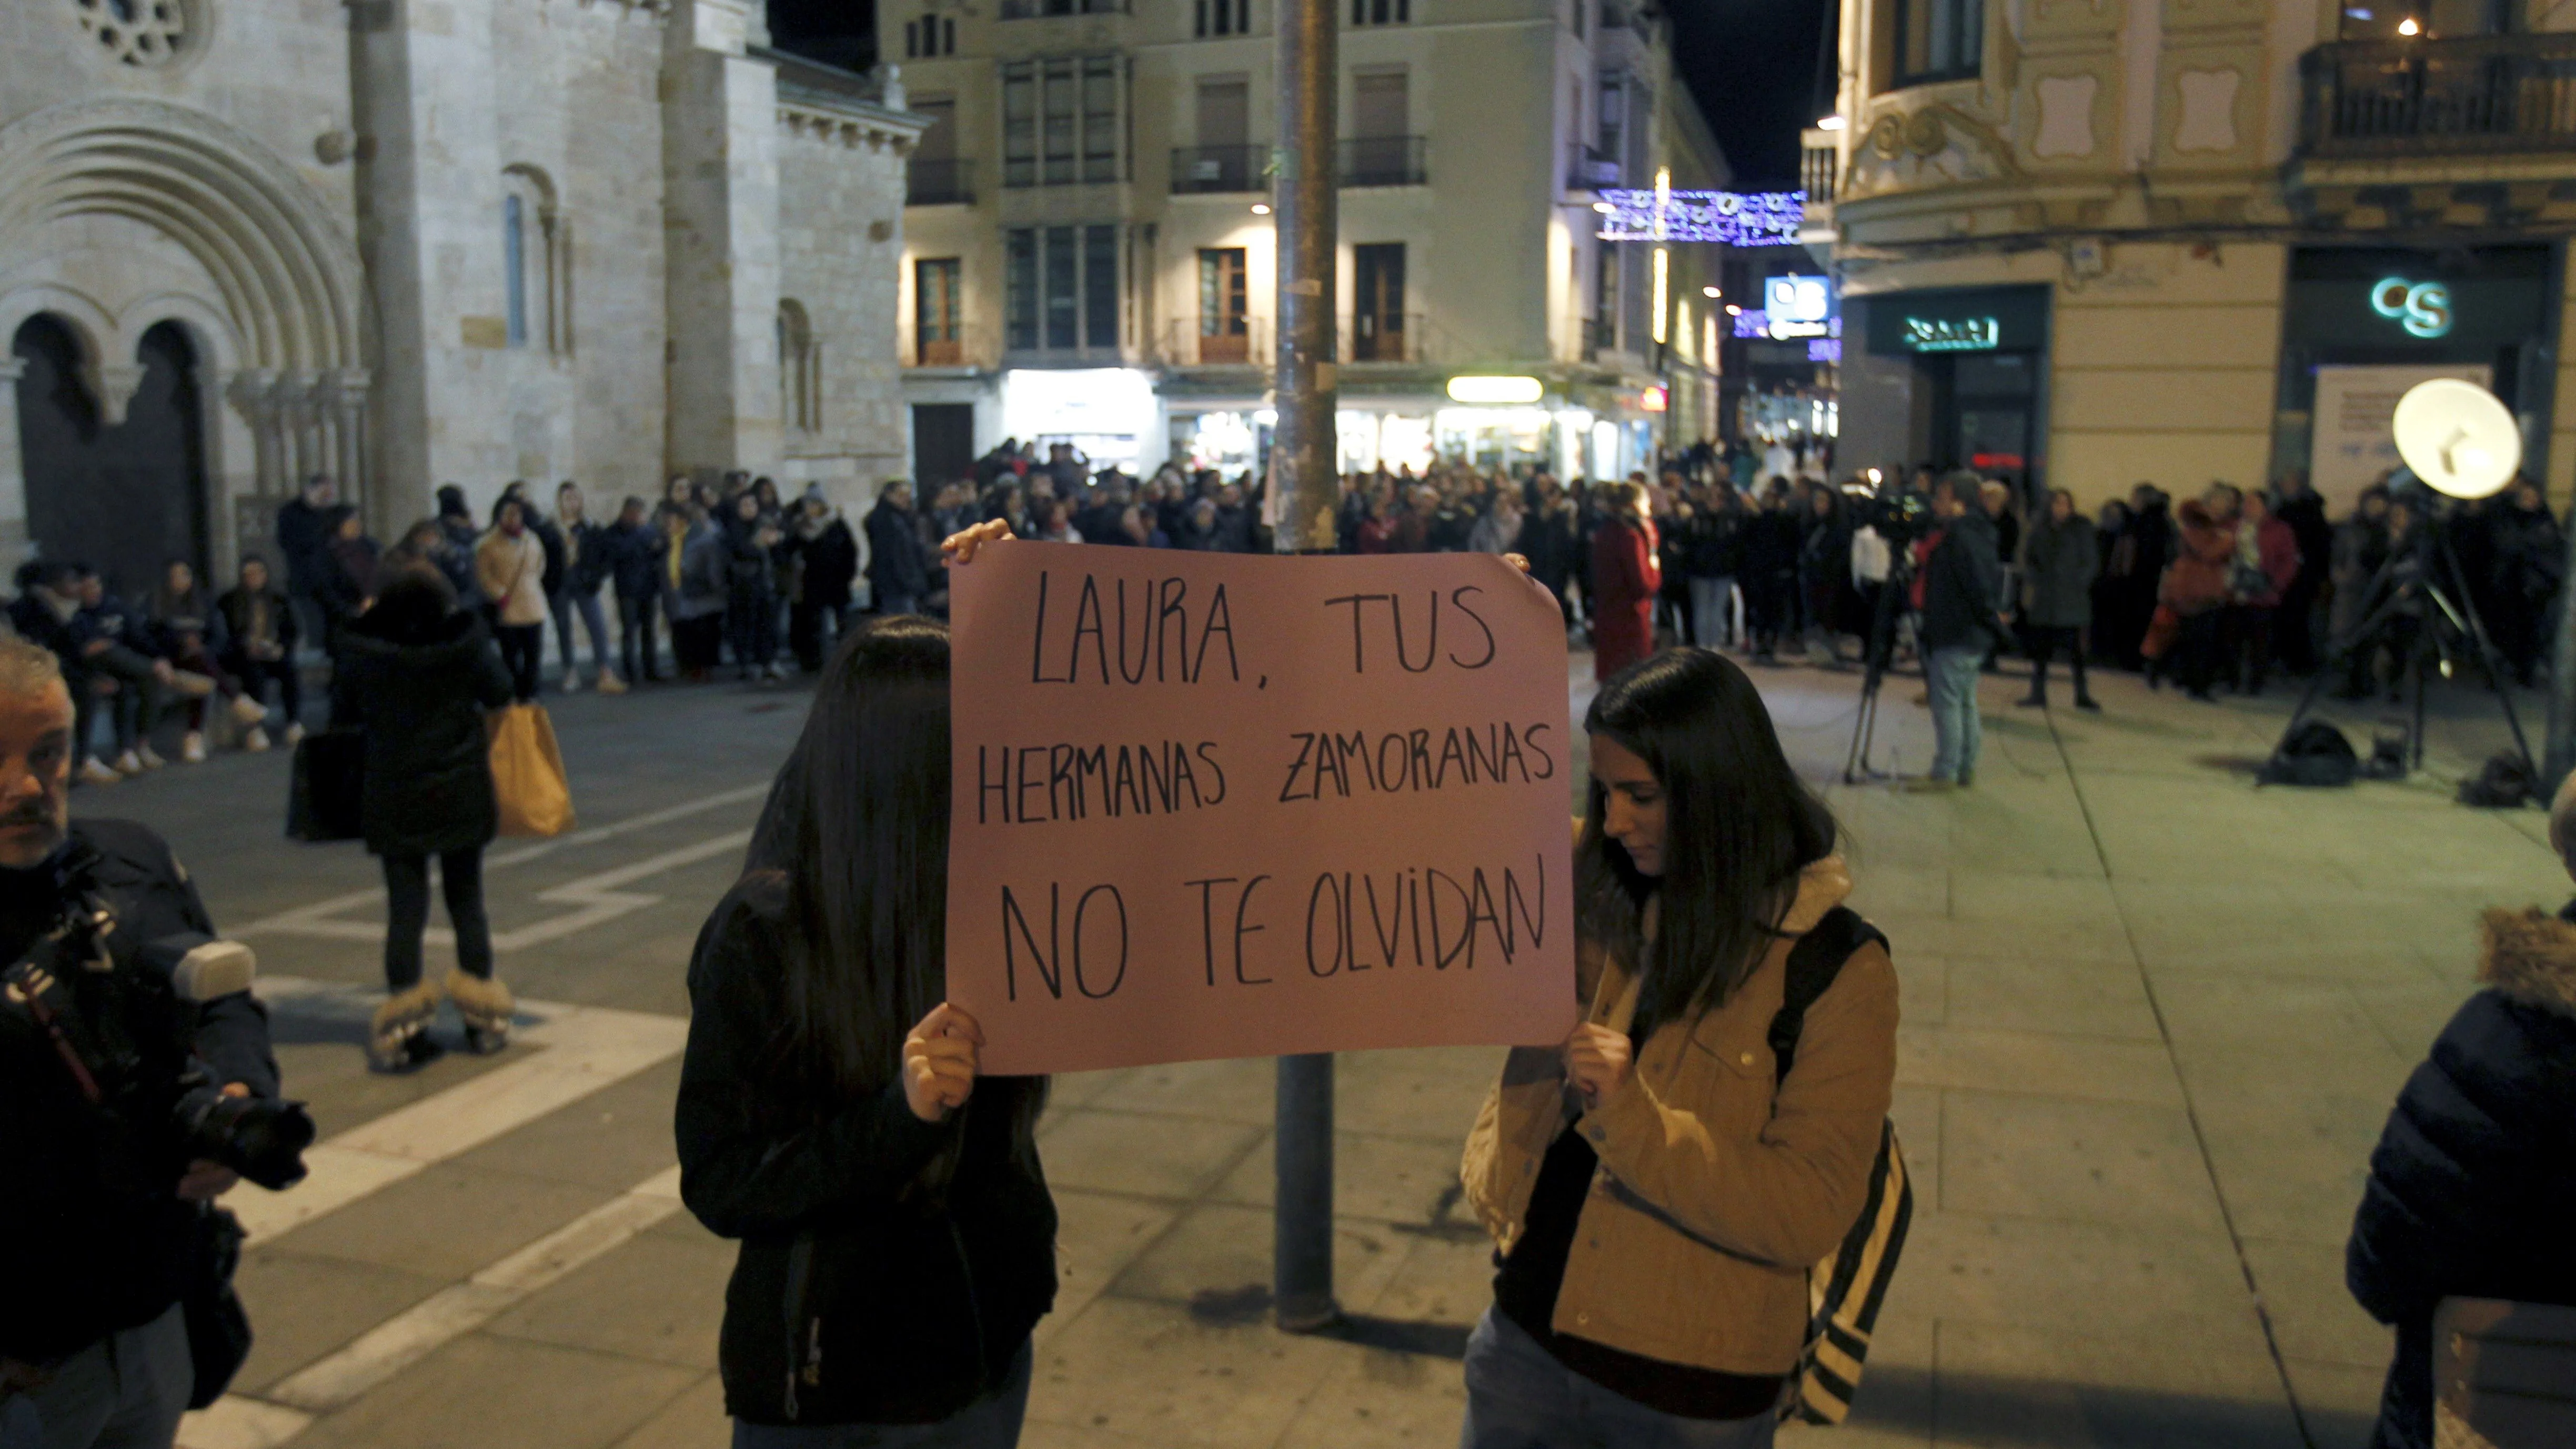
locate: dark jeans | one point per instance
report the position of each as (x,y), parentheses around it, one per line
(991,1422)
(2195,653)
(805,631)
(460,878)
(2246,650)
(636,644)
(254,675)
(2044,642)
(695,642)
(1520,1397)
(125,1391)
(523,653)
(133,707)
(751,627)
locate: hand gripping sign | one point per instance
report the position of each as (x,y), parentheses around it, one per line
(1210,805)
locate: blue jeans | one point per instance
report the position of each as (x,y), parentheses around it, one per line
(991,1422)
(1956,737)
(125,1391)
(566,604)
(1520,1397)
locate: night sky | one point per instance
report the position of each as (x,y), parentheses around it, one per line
(1752,63)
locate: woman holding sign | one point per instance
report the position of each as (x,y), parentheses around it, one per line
(898,1239)
(1658,1188)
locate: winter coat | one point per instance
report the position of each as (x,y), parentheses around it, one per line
(858,1296)
(700,589)
(898,565)
(828,563)
(2196,581)
(1963,585)
(2277,548)
(2473,1185)
(1495,533)
(1625,579)
(1717,1186)
(429,763)
(2529,555)
(588,559)
(303,541)
(551,540)
(92,1240)
(2059,562)
(634,555)
(512,574)
(261,618)
(750,573)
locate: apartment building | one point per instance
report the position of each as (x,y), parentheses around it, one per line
(2178,240)
(1089,246)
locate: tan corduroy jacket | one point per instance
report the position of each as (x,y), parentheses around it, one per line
(1715,1193)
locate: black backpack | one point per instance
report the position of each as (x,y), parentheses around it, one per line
(1845,1290)
(2505,784)
(2316,753)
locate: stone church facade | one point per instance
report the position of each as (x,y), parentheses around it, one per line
(416,242)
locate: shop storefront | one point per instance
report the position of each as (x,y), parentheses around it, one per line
(2361,325)
(1955,377)
(1110,414)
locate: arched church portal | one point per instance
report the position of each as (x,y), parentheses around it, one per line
(125,497)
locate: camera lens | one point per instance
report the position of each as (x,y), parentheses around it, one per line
(262,1139)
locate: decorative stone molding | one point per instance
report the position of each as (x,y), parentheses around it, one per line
(117,383)
(2065,115)
(1935,146)
(843,129)
(2208,120)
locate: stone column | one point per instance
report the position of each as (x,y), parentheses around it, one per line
(252,395)
(720,167)
(14,546)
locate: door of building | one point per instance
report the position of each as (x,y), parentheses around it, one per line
(943,445)
(127,498)
(1377,302)
(1992,399)
(1225,326)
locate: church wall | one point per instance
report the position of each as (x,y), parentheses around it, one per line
(840,236)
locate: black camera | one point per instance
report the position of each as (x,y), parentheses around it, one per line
(260,1138)
(1899,516)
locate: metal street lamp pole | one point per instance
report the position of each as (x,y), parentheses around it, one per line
(1303,461)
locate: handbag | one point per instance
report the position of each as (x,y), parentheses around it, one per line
(219,1335)
(330,776)
(2504,1374)
(527,772)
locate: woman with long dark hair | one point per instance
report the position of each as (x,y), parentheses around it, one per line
(1656,1190)
(898,1239)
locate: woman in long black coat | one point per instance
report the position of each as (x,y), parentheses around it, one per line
(418,674)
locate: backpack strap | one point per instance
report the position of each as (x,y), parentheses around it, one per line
(1813,964)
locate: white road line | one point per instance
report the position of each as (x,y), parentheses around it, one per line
(318,918)
(581,1049)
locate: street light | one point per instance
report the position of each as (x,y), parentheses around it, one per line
(2408,26)
(1710,292)
(1829,123)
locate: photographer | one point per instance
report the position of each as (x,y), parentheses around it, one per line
(1961,598)
(135,1083)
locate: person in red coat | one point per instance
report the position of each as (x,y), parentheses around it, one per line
(1625,578)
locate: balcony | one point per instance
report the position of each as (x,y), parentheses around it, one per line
(2476,95)
(1589,170)
(1384,161)
(1197,169)
(953,345)
(939,181)
(1218,342)
(1405,337)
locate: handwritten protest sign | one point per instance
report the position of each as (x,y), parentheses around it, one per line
(1210,805)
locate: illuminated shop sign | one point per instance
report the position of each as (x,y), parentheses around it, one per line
(1765,325)
(1952,334)
(1733,218)
(2422,308)
(1795,306)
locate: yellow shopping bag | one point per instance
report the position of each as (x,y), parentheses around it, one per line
(528,773)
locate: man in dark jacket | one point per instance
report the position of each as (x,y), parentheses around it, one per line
(1962,617)
(2294,626)
(304,543)
(898,563)
(827,562)
(2471,1189)
(2060,558)
(635,556)
(99,1225)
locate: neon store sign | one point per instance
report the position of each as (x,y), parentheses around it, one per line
(2422,308)
(1952,334)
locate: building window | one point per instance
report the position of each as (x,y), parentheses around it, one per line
(929,37)
(1381,12)
(936,309)
(1037,9)
(1061,121)
(1582,12)
(536,263)
(1377,302)
(800,369)
(1063,286)
(1221,17)
(1938,39)
(1225,321)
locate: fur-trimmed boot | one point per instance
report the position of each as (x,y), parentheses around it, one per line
(398,1039)
(486,1006)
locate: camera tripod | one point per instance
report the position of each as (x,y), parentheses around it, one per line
(2424,572)
(1884,622)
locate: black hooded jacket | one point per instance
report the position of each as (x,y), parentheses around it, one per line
(429,761)
(1963,585)
(860,1296)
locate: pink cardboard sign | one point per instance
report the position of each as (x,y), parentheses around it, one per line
(1211,805)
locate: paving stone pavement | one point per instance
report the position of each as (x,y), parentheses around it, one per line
(2153,1019)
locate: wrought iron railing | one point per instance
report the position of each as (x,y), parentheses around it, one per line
(1220,168)
(1817,168)
(1384,161)
(1218,341)
(939,181)
(2485,93)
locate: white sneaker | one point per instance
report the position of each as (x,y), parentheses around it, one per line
(572,681)
(129,765)
(609,683)
(256,740)
(294,735)
(248,710)
(192,748)
(94,771)
(150,760)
